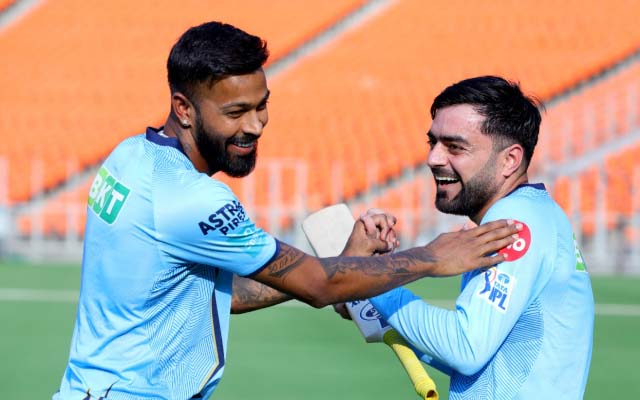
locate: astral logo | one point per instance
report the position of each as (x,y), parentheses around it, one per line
(225,219)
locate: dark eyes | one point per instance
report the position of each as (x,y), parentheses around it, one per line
(235,114)
(239,113)
(452,147)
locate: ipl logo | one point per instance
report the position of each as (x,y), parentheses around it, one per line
(497,288)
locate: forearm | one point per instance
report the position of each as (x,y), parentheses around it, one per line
(360,277)
(456,338)
(249,295)
(323,281)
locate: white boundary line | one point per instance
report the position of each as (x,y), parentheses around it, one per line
(39,295)
(71,296)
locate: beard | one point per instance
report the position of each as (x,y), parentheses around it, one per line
(473,196)
(214,151)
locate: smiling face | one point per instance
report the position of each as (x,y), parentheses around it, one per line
(230,117)
(463,162)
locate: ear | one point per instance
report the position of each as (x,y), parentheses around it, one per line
(183,109)
(513,158)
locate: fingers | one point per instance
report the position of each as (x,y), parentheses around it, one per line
(369,224)
(497,226)
(380,246)
(491,260)
(341,308)
(376,220)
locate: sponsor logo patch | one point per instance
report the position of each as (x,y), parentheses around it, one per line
(225,219)
(369,313)
(497,289)
(518,248)
(107,196)
(580,265)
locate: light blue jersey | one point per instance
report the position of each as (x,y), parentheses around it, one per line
(522,329)
(161,246)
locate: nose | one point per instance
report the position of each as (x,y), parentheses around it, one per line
(255,122)
(437,156)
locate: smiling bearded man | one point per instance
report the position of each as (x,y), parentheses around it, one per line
(523,328)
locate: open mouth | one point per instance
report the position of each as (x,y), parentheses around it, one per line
(246,145)
(446,180)
(243,148)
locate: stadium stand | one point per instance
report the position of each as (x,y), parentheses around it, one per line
(83,76)
(378,105)
(4,4)
(348,120)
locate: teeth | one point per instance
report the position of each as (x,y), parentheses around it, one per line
(445,179)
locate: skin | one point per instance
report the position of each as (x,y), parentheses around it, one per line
(234,109)
(460,150)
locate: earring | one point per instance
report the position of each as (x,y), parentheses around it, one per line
(185,123)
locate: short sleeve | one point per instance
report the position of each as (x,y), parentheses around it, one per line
(201,221)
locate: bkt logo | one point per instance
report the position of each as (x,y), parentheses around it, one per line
(107,196)
(497,289)
(225,219)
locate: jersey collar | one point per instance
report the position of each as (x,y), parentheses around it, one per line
(539,186)
(152,135)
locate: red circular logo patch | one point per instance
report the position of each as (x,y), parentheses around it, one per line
(518,248)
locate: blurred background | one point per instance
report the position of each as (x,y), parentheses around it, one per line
(352,82)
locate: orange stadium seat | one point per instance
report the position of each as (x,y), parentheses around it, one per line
(4,4)
(355,112)
(383,97)
(81,76)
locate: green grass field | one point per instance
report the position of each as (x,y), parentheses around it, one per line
(287,352)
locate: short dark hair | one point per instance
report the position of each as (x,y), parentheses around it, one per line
(210,52)
(510,116)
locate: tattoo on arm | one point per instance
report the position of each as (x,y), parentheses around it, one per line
(398,265)
(390,270)
(251,295)
(288,259)
(398,268)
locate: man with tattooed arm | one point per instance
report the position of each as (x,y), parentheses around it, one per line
(170,252)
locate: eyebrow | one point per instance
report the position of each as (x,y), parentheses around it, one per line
(243,104)
(449,138)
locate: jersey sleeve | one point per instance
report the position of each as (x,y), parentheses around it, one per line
(207,224)
(490,303)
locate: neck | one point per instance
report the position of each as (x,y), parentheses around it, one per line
(507,187)
(172,128)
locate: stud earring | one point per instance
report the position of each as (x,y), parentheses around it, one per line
(185,123)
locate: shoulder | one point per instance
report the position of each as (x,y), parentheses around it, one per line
(529,204)
(535,209)
(191,191)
